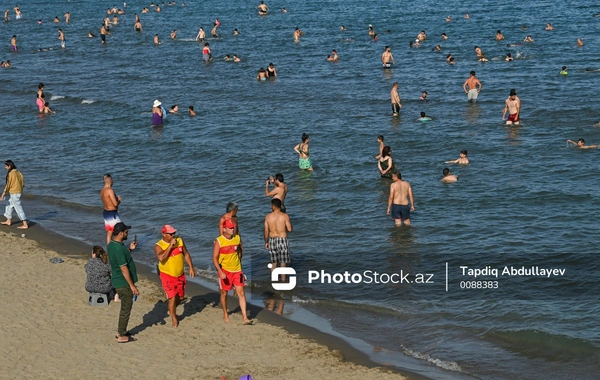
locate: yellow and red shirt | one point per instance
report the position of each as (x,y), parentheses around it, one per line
(228,253)
(174,264)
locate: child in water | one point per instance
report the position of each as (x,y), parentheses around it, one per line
(462,160)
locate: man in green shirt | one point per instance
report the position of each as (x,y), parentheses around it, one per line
(124,276)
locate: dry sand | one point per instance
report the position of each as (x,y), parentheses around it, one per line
(50,332)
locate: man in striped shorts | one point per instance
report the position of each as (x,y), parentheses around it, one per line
(277,225)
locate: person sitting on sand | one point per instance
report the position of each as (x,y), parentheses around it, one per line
(462,160)
(448,177)
(581,144)
(98,274)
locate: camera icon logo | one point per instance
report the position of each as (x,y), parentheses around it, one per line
(291,278)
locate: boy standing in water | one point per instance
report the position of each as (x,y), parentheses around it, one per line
(395,97)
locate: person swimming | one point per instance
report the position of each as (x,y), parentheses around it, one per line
(424,117)
(564,71)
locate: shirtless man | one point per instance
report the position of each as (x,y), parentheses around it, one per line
(61,37)
(499,36)
(581,144)
(474,87)
(230,214)
(201,35)
(67,17)
(111,204)
(398,202)
(334,56)
(422,36)
(448,177)
(513,106)
(387,58)
(395,97)
(279,191)
(174,34)
(297,34)
(6,15)
(103,33)
(277,225)
(13,43)
(462,160)
(262,8)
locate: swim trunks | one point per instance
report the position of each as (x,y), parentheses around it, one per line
(205,57)
(110,219)
(472,95)
(514,117)
(39,102)
(173,285)
(400,212)
(279,250)
(103,37)
(387,65)
(231,279)
(304,163)
(13,47)
(395,108)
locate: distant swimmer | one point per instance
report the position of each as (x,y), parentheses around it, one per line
(262,74)
(39,102)
(386,164)
(227,58)
(91,35)
(549,27)
(174,34)
(214,30)
(448,177)
(236,58)
(371,31)
(262,8)
(283,10)
(381,146)
(157,113)
(499,36)
(581,144)
(303,152)
(401,201)
(478,51)
(279,191)
(271,71)
(387,58)
(115,20)
(508,57)
(191,111)
(297,34)
(201,35)
(423,95)
(174,109)
(6,15)
(375,38)
(235,32)
(462,160)
(579,42)
(61,37)
(437,48)
(395,98)
(47,109)
(472,87)
(450,59)
(467,16)
(156,40)
(13,43)
(342,28)
(448,19)
(56,19)
(18,14)
(444,36)
(528,38)
(513,106)
(137,26)
(6,64)
(103,33)
(67,17)
(424,117)
(206,54)
(334,56)
(422,36)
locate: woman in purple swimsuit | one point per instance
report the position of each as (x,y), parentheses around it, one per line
(157,113)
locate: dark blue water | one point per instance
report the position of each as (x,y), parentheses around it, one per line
(526,199)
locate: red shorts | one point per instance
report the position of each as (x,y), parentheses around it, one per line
(173,285)
(514,117)
(232,279)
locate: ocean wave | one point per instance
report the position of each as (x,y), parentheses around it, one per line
(297,299)
(56,97)
(87,101)
(447,365)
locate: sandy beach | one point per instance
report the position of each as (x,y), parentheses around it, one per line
(49,331)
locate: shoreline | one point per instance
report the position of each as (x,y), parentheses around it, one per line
(337,347)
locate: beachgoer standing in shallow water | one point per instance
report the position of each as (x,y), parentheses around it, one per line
(297,34)
(387,58)
(214,30)
(157,113)
(61,37)
(513,106)
(137,26)
(111,203)
(280,189)
(277,226)
(262,8)
(13,43)
(14,186)
(39,102)
(472,87)
(398,202)
(303,151)
(201,35)
(395,97)
(206,54)
(381,146)
(386,164)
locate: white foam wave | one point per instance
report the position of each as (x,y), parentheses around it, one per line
(87,101)
(448,365)
(296,299)
(55,97)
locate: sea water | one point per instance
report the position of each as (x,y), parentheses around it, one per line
(527,199)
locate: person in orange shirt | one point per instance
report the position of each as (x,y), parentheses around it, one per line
(172,254)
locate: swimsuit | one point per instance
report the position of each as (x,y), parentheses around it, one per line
(387,65)
(384,166)
(111,217)
(472,95)
(40,103)
(156,119)
(304,163)
(400,212)
(279,250)
(395,108)
(514,117)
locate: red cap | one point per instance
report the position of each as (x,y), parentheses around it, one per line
(168,229)
(228,223)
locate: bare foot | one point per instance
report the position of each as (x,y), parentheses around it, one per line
(23,227)
(248,322)
(175,321)
(226,318)
(7,223)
